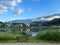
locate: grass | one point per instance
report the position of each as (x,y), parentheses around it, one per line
(49,32)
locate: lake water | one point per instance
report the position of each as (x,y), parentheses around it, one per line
(33,32)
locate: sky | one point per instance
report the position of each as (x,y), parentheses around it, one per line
(27,9)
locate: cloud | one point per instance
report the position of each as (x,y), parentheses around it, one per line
(15,18)
(18,11)
(6,4)
(2,9)
(2,20)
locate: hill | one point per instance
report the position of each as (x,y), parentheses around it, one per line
(53,22)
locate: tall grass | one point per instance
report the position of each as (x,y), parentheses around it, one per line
(7,36)
(50,35)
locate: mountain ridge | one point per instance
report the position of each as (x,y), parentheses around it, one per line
(42,19)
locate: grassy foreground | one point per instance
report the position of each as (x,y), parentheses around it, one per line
(51,35)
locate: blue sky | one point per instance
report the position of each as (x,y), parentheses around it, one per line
(27,9)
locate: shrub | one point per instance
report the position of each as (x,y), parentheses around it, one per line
(5,36)
(51,35)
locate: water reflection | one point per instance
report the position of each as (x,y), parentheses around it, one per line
(33,32)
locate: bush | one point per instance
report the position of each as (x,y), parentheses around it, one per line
(5,36)
(51,35)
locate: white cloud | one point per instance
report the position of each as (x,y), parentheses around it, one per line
(15,18)
(2,20)
(18,11)
(2,9)
(5,4)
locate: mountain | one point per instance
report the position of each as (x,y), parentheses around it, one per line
(53,22)
(47,18)
(39,19)
(27,21)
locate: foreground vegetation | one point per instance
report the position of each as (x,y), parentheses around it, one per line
(51,34)
(16,32)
